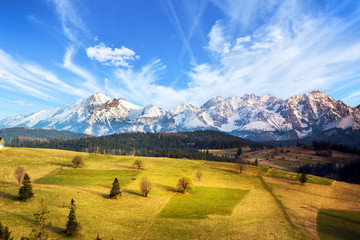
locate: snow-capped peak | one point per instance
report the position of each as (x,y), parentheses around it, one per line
(97,99)
(183,107)
(250,115)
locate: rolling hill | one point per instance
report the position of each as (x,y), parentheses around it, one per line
(257,204)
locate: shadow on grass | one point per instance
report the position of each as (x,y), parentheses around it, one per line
(9,183)
(133,193)
(123,166)
(225,170)
(92,192)
(33,223)
(61,164)
(165,187)
(56,229)
(9,196)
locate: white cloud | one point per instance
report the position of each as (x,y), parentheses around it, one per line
(22,103)
(72,24)
(32,80)
(287,55)
(111,56)
(217,42)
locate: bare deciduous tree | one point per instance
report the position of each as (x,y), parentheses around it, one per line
(19,174)
(184,183)
(77,161)
(138,164)
(145,186)
(198,175)
(240,164)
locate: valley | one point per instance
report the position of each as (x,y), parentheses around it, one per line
(260,203)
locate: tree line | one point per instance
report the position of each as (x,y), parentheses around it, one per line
(190,145)
(347,172)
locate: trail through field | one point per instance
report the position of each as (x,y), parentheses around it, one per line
(278,202)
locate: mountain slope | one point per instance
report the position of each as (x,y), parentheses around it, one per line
(249,116)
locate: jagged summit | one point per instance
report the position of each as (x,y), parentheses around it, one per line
(97,99)
(250,116)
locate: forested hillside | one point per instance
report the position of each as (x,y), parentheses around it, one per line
(190,145)
(12,133)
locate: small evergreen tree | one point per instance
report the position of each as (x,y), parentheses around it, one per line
(5,234)
(72,226)
(115,192)
(302,178)
(41,218)
(239,152)
(98,237)
(256,162)
(26,191)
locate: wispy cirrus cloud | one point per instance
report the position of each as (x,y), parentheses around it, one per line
(292,53)
(111,56)
(72,24)
(141,85)
(22,103)
(31,79)
(175,21)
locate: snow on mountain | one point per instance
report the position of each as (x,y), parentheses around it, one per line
(28,120)
(251,116)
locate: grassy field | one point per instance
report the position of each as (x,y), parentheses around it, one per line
(203,201)
(335,224)
(87,177)
(257,204)
(290,158)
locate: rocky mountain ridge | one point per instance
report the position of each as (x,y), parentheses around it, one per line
(249,116)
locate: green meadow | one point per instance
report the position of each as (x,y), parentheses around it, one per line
(260,203)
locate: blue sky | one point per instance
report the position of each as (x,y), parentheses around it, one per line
(162,52)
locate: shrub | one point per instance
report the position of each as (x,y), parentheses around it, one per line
(138,164)
(19,174)
(145,186)
(184,183)
(302,178)
(198,175)
(77,161)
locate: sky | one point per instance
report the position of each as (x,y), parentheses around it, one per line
(162,52)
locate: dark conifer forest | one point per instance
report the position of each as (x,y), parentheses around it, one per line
(191,145)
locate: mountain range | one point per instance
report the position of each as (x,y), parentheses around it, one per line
(250,116)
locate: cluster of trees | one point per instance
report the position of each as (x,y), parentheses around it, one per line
(41,217)
(188,145)
(322,148)
(11,135)
(347,172)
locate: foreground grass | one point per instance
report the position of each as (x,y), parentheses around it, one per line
(244,209)
(84,177)
(203,201)
(335,224)
(276,173)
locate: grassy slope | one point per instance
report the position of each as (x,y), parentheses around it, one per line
(297,156)
(257,216)
(334,224)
